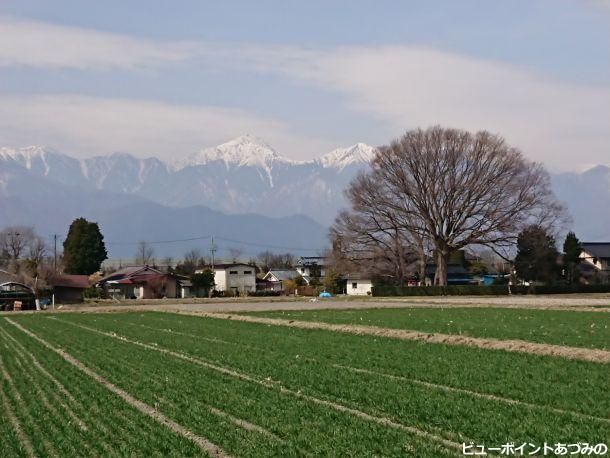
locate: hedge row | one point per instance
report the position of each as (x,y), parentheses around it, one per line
(490,290)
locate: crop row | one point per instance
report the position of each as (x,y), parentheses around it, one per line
(554,382)
(193,395)
(454,416)
(82,418)
(559,327)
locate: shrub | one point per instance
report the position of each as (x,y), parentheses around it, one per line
(264,293)
(489,290)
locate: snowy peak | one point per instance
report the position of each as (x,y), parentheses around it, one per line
(245,150)
(360,153)
(24,156)
(38,159)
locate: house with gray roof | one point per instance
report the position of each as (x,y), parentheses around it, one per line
(276,278)
(595,260)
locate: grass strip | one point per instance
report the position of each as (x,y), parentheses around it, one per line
(583,329)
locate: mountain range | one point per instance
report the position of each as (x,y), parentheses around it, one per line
(223,191)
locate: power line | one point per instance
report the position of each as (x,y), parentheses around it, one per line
(158,242)
(263,245)
(205,237)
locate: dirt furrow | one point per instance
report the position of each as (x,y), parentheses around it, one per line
(203,443)
(518,346)
(276,385)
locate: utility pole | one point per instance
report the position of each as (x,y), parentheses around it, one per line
(54,253)
(212,251)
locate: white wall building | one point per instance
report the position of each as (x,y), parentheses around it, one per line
(358,286)
(234,279)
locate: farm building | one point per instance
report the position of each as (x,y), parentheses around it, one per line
(358,285)
(69,288)
(12,291)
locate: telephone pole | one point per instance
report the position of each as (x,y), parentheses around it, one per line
(212,251)
(54,253)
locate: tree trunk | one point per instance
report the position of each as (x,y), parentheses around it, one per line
(422,264)
(442,259)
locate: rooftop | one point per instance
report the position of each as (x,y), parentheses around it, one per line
(597,249)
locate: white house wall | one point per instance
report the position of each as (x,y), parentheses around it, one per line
(363,287)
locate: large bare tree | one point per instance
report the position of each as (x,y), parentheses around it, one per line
(459,189)
(372,238)
(451,189)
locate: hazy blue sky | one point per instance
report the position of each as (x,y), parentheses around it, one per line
(160,78)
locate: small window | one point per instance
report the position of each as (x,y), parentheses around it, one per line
(232,272)
(247,272)
(354,285)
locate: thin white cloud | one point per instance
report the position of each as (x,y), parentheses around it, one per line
(39,44)
(564,125)
(558,123)
(84,126)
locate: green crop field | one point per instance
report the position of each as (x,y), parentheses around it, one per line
(165,384)
(571,328)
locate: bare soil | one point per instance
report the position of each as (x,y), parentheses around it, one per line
(573,302)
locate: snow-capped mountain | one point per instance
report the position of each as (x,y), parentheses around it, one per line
(246,150)
(357,154)
(243,151)
(246,175)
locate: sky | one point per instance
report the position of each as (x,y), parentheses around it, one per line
(165,79)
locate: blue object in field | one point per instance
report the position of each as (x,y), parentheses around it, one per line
(325,294)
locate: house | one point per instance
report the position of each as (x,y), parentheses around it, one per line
(276,278)
(69,288)
(595,260)
(140,282)
(310,267)
(358,285)
(234,279)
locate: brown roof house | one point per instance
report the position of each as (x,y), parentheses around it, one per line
(140,282)
(69,289)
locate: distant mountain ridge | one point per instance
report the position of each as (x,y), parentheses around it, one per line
(243,177)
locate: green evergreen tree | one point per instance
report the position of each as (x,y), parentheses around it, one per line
(203,282)
(84,249)
(571,257)
(537,256)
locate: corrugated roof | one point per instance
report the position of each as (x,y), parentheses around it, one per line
(127,272)
(71,281)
